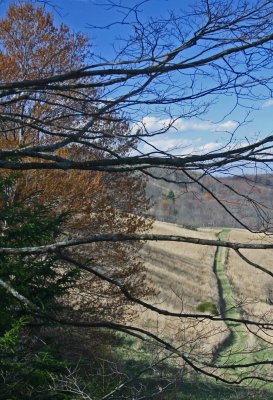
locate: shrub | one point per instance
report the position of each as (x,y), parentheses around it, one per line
(207,306)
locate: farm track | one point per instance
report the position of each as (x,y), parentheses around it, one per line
(235,343)
(235,348)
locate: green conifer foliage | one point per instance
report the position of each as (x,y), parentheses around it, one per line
(28,363)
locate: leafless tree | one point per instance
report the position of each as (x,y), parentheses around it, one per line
(177,67)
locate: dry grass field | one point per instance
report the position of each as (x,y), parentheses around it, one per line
(182,272)
(252,289)
(182,275)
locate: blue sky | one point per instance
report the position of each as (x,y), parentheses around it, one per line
(193,135)
(81,14)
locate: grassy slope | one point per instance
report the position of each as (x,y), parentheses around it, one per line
(237,340)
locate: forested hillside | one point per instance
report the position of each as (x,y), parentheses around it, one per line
(186,201)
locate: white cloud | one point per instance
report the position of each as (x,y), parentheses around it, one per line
(153,124)
(268,103)
(173,145)
(205,126)
(208,147)
(179,147)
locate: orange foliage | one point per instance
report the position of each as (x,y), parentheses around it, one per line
(207,196)
(32,47)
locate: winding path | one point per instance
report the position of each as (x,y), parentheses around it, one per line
(235,348)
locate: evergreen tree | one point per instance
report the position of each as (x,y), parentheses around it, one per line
(27,363)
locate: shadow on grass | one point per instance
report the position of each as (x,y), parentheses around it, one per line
(203,390)
(167,382)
